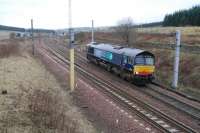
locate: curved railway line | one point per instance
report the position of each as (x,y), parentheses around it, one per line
(190,109)
(156,83)
(145,111)
(193,111)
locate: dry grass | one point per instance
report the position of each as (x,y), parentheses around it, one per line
(190,36)
(189,74)
(7,50)
(35,102)
(189,64)
(166,30)
(47,111)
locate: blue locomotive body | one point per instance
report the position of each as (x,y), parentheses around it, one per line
(123,61)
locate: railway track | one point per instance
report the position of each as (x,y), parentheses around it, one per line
(145,111)
(154,83)
(194,112)
(157,94)
(176,92)
(189,109)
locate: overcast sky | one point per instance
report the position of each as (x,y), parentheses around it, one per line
(53,14)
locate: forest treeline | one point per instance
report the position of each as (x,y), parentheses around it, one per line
(190,17)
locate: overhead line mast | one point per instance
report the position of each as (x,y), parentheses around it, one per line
(177,59)
(92,31)
(71,47)
(32,37)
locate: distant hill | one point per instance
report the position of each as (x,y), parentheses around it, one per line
(153,24)
(86,29)
(10,28)
(110,28)
(41,30)
(17,29)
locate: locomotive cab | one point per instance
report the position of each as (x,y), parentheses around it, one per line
(144,66)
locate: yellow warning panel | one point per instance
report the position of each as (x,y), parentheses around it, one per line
(144,69)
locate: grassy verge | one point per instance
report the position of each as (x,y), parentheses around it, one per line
(31,99)
(189,70)
(167,30)
(189,75)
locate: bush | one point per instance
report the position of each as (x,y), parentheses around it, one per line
(7,50)
(46,112)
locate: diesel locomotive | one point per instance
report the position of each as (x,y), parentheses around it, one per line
(131,64)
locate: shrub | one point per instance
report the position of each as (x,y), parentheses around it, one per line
(7,50)
(46,112)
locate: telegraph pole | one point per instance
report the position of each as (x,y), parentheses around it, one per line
(32,37)
(92,31)
(177,58)
(71,51)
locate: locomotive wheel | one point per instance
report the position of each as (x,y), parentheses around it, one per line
(129,77)
(123,75)
(108,68)
(96,62)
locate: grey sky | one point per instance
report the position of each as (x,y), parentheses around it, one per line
(54,13)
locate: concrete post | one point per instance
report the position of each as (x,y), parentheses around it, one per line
(72,70)
(32,37)
(71,51)
(177,58)
(92,31)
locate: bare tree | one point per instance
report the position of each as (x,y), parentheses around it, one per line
(126,31)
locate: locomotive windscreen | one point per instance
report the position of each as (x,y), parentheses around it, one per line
(144,60)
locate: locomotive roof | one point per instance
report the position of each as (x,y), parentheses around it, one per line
(119,49)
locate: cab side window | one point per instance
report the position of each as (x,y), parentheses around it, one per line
(130,61)
(125,59)
(91,50)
